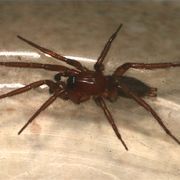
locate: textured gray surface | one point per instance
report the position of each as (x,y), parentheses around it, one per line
(76,142)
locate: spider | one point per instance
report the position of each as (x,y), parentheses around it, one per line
(81,84)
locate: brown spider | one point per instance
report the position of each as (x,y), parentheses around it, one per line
(82,84)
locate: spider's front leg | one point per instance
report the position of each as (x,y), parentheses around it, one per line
(42,108)
(50,67)
(53,87)
(69,61)
(123,68)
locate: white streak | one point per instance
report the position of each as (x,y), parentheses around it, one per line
(37,55)
(20,53)
(78,58)
(81,59)
(16,85)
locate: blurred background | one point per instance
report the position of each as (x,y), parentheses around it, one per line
(69,141)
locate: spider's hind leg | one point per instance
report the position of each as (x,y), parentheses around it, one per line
(150,66)
(148,108)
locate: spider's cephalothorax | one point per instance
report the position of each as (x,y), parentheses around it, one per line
(81,84)
(85,85)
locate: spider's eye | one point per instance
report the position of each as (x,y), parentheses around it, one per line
(71,82)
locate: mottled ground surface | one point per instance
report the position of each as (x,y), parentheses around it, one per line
(70,141)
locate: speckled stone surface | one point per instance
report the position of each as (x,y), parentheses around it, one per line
(74,142)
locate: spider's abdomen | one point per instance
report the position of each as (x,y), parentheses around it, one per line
(138,87)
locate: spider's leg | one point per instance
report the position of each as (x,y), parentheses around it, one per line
(142,103)
(100,102)
(123,68)
(99,63)
(69,61)
(50,67)
(43,107)
(28,87)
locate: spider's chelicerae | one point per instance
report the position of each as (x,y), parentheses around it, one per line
(82,84)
